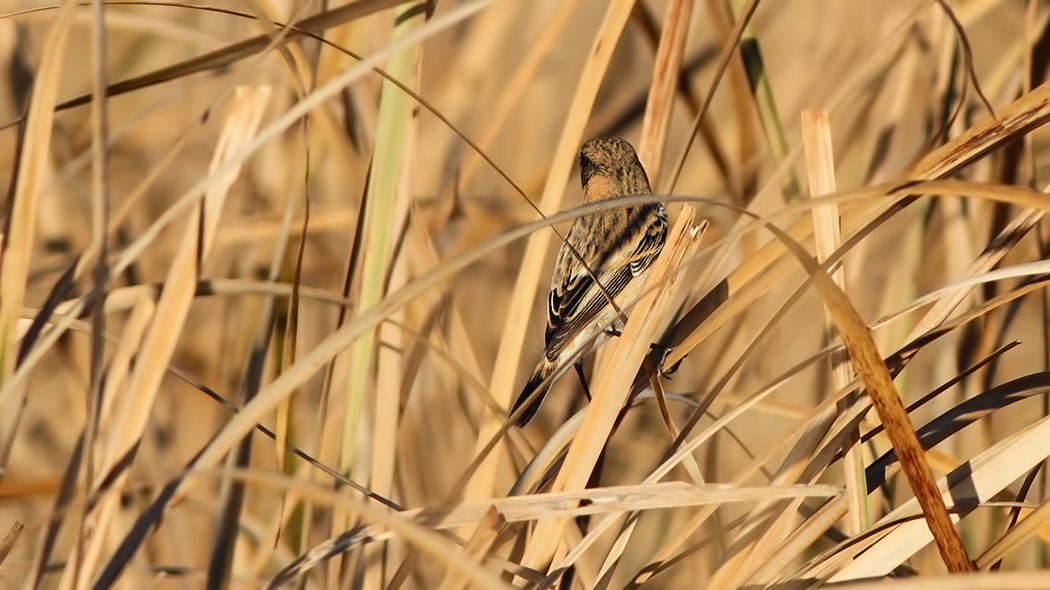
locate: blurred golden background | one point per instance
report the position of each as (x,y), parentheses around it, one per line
(348,278)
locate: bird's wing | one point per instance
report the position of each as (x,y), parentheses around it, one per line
(575,308)
(575,301)
(651,243)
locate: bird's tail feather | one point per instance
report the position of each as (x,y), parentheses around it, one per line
(535,390)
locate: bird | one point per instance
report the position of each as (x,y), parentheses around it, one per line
(618,247)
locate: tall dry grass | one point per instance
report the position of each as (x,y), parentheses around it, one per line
(267,290)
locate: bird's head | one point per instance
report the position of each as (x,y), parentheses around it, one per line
(609,167)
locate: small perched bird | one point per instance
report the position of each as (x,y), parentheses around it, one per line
(618,246)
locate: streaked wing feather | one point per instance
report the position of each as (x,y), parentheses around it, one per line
(575,303)
(649,247)
(589,304)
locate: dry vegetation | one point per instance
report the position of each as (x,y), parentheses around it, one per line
(262,312)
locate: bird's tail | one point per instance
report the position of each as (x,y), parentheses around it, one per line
(535,390)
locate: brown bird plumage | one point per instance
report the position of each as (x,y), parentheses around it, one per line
(618,246)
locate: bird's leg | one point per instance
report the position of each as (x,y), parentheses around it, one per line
(658,354)
(578,365)
(662,350)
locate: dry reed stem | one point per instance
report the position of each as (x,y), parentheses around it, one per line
(386,209)
(887,401)
(161,337)
(669,55)
(21,222)
(820,163)
(611,499)
(1033,524)
(10,539)
(120,365)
